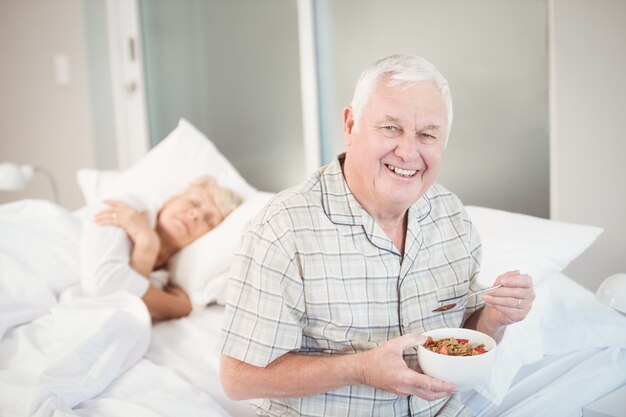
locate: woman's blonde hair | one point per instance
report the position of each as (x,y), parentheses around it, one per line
(225,199)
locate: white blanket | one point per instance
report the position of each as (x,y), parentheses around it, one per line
(63,355)
(38,259)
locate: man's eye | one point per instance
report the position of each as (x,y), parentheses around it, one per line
(428,138)
(391,131)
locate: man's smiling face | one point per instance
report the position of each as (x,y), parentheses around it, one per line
(394,155)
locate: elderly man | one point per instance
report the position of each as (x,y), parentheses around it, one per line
(337,278)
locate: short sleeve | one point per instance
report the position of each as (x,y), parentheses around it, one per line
(265,309)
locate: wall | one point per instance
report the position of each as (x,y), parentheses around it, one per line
(589,129)
(100,89)
(43,123)
(494,54)
(232,69)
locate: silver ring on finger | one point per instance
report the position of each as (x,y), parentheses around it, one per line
(519,301)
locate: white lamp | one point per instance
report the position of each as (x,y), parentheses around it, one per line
(612,292)
(14,177)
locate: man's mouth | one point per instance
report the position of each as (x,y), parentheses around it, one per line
(401,172)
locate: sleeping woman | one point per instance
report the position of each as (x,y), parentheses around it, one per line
(127,244)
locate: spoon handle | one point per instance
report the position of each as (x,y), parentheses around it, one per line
(486,290)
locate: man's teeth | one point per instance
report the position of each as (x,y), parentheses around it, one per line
(403,172)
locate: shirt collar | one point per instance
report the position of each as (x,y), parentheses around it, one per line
(339,202)
(342,207)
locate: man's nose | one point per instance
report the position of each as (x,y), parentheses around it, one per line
(408,147)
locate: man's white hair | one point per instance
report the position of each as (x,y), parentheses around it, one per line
(401,69)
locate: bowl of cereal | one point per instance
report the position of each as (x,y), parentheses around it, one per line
(461,356)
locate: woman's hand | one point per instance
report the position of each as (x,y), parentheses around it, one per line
(146,242)
(135,223)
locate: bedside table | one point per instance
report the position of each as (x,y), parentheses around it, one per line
(611,405)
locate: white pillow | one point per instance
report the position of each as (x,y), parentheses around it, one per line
(94,183)
(184,155)
(533,245)
(202,267)
(167,169)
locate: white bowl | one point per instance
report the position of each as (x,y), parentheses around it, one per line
(464,371)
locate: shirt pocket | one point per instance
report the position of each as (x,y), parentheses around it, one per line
(452,294)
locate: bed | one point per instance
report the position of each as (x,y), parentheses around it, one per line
(65,355)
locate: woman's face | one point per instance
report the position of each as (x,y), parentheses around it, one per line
(188,216)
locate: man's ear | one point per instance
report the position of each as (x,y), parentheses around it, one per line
(348,124)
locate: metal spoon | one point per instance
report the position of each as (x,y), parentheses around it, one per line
(451,306)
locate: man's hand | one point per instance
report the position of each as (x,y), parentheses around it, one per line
(384,367)
(508,304)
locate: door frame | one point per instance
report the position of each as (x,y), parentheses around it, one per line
(127,81)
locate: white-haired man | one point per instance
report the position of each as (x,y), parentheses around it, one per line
(337,278)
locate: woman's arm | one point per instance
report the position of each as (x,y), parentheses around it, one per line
(145,241)
(143,256)
(105,260)
(169,303)
(121,258)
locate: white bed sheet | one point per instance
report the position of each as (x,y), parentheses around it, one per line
(190,346)
(557,385)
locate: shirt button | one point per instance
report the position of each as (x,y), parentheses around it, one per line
(405,323)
